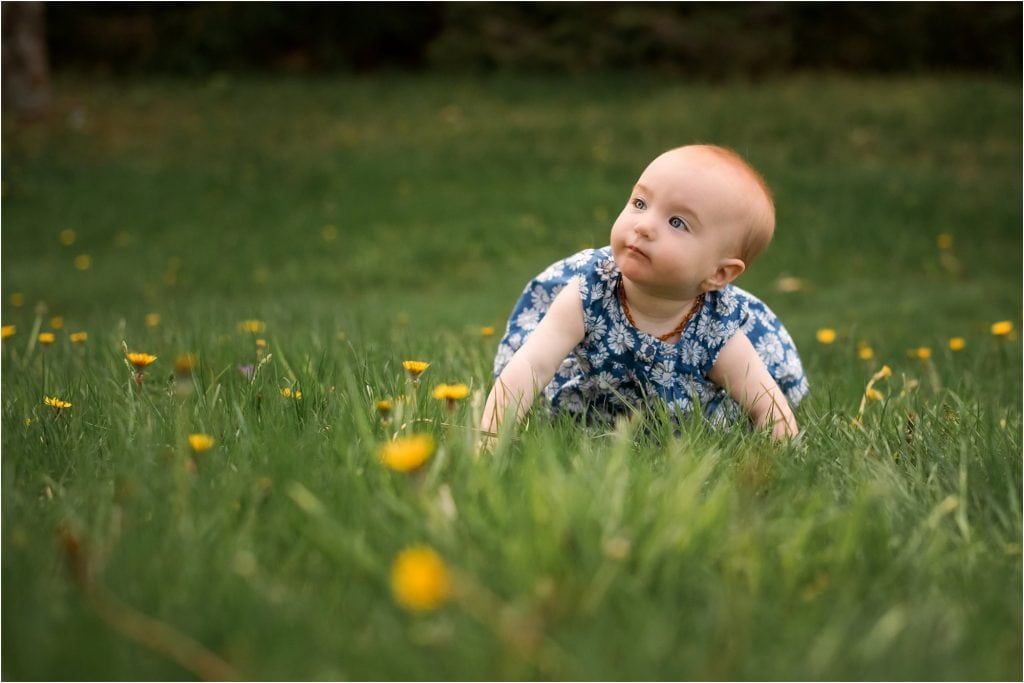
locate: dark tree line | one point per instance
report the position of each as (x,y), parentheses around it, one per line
(704,40)
(695,40)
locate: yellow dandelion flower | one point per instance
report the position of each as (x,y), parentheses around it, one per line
(419,579)
(46,338)
(55,402)
(451,392)
(56,322)
(865,352)
(415,368)
(957,344)
(17,299)
(288,393)
(184,363)
(140,360)
(78,337)
(945,241)
(7,331)
(1002,328)
(384,407)
(200,442)
(826,335)
(261,343)
(487,331)
(67,237)
(83,262)
(253,326)
(921,353)
(407,453)
(152,319)
(871,394)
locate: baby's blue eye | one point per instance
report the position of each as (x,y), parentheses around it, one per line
(678,223)
(639,204)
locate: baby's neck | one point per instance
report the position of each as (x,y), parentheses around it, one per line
(652,311)
(652,305)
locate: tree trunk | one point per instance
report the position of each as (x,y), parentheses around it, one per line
(26,72)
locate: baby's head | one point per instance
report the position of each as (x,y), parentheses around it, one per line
(696,218)
(740,200)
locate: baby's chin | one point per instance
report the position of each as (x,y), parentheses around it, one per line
(633,266)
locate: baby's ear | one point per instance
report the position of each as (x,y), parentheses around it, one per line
(728,270)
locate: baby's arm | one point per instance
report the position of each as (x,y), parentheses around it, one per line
(537,360)
(743,374)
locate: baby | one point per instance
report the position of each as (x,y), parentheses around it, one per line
(654,316)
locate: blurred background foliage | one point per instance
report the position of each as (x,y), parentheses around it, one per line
(695,40)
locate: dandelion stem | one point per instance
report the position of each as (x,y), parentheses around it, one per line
(36,325)
(151,633)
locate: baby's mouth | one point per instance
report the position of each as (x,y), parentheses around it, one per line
(635,250)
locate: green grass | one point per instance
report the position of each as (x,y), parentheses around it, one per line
(887,549)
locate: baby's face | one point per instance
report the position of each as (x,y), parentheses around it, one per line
(683,218)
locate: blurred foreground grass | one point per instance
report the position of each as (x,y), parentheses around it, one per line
(359,223)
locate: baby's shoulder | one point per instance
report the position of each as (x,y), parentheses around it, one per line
(733,304)
(588,259)
(727,303)
(570,266)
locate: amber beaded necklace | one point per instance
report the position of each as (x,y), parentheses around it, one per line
(678,328)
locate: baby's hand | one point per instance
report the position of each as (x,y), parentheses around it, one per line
(784,430)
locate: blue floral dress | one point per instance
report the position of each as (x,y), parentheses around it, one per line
(618,368)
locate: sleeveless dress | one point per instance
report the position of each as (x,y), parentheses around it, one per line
(618,369)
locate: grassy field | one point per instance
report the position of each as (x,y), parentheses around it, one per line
(325,231)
